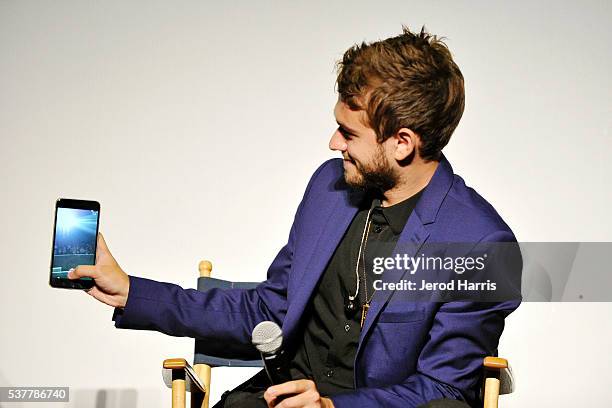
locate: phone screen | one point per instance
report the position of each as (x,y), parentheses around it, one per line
(74,241)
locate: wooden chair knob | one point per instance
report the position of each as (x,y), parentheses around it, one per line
(205,268)
(175,363)
(495,362)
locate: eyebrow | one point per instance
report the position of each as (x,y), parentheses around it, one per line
(344,127)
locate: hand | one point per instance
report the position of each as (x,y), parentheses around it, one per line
(303,394)
(111,283)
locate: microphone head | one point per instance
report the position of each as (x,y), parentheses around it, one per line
(267,337)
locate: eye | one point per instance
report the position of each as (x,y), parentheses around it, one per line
(345,133)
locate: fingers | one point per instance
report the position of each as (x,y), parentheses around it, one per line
(83,271)
(304,394)
(307,399)
(103,297)
(291,387)
(95,292)
(102,243)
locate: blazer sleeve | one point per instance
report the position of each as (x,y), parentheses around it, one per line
(450,363)
(219,316)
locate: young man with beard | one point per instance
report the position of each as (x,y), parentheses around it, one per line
(399,102)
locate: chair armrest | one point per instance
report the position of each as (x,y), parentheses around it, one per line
(498,379)
(179,369)
(500,368)
(180,376)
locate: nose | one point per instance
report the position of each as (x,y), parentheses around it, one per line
(337,142)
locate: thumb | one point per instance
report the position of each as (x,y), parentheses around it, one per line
(83,271)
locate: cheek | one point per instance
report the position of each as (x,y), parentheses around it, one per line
(353,151)
(358,155)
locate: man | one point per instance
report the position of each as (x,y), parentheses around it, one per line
(399,102)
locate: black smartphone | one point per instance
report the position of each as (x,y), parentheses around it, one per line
(75,239)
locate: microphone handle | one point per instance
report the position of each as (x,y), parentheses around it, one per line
(276,367)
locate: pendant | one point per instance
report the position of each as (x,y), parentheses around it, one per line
(364,313)
(349,307)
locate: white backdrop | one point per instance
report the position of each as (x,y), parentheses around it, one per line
(197,126)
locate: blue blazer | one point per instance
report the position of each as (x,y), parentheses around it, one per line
(409,352)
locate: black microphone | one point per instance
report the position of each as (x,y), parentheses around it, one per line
(267,338)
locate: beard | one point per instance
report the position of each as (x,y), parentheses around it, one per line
(377,176)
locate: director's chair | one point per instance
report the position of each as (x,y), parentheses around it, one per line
(182,377)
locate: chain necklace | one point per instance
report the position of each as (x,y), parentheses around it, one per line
(350,306)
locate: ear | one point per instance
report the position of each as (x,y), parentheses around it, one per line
(407,142)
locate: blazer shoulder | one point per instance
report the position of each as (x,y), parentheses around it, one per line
(327,176)
(470,214)
(330,168)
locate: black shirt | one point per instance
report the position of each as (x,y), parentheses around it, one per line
(331,334)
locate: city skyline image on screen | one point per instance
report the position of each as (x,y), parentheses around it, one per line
(75,239)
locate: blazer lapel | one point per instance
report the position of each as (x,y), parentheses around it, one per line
(413,236)
(334,227)
(410,241)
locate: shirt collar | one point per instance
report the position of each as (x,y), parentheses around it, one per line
(396,215)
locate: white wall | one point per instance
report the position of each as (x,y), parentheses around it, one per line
(198,125)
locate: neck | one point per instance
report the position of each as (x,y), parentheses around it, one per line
(413,179)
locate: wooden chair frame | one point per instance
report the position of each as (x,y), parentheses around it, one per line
(183,378)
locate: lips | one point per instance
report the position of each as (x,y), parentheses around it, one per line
(347,162)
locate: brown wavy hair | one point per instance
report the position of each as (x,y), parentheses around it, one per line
(408,81)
